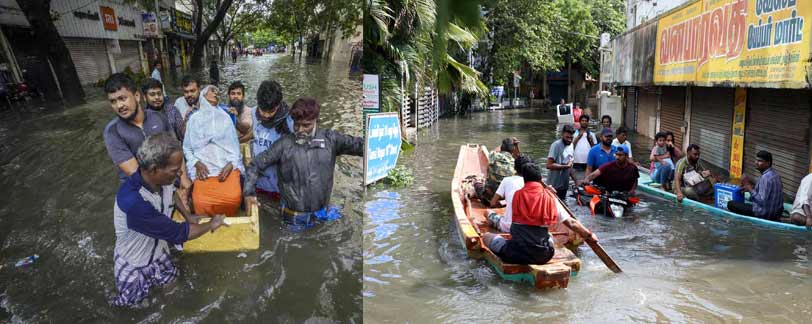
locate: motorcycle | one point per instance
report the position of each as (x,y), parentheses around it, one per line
(609,203)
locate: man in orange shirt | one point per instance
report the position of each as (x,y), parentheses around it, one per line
(535,209)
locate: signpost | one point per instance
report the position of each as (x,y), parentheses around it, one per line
(372,95)
(381,145)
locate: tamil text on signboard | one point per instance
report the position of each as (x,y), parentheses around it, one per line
(382,145)
(735,42)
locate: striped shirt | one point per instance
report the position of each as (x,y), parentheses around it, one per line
(768,195)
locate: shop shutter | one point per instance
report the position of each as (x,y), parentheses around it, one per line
(672,112)
(647,111)
(778,121)
(630,115)
(712,123)
(129,56)
(89,57)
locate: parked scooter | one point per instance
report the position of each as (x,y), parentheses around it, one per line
(609,203)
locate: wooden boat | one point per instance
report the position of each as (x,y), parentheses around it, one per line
(470,213)
(644,184)
(242,234)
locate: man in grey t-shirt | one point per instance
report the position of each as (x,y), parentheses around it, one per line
(559,162)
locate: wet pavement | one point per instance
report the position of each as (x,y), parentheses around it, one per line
(680,264)
(58,187)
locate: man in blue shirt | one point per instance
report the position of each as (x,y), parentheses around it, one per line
(601,154)
(271,120)
(767,197)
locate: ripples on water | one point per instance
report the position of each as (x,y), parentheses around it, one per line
(58,187)
(681,264)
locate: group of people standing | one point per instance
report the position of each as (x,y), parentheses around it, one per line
(187,155)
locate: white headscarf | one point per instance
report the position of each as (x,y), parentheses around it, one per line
(203,103)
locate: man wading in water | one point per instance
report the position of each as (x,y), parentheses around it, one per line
(306,163)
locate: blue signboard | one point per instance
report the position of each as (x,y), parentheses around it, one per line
(382,145)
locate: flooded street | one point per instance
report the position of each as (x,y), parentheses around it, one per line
(680,264)
(58,188)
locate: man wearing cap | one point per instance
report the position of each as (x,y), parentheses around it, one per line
(767,197)
(619,175)
(305,161)
(601,154)
(500,165)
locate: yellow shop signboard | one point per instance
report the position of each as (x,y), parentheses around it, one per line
(758,43)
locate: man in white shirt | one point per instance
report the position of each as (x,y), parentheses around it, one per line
(801,209)
(156,72)
(583,142)
(507,188)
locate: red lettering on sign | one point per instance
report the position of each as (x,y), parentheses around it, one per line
(715,33)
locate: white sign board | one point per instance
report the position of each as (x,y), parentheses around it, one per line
(372,93)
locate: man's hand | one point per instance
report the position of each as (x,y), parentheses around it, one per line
(592,237)
(570,163)
(251,201)
(233,111)
(680,196)
(706,173)
(201,171)
(225,172)
(217,221)
(194,219)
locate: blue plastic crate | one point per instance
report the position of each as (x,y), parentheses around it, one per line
(724,192)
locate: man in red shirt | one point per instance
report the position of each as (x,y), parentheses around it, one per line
(619,175)
(535,209)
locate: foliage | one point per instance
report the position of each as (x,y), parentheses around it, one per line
(295,19)
(400,176)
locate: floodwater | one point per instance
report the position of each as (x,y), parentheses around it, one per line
(680,264)
(58,188)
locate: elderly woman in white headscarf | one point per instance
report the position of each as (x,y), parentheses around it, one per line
(213,160)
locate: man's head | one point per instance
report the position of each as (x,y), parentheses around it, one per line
(606,137)
(659,139)
(519,162)
(692,153)
(154,93)
(606,121)
(160,159)
(191,89)
(577,105)
(563,101)
(305,114)
(269,98)
(531,172)
(510,144)
(157,65)
(764,160)
(621,155)
(567,134)
(584,121)
(123,96)
(236,95)
(621,134)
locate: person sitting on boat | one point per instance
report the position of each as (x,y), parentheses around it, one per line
(662,166)
(673,150)
(132,124)
(305,162)
(767,196)
(213,159)
(500,165)
(559,162)
(142,219)
(535,209)
(506,189)
(692,178)
(619,175)
(270,122)
(801,210)
(602,153)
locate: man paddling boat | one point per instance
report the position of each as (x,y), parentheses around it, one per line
(535,209)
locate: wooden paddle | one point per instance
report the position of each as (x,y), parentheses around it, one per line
(597,248)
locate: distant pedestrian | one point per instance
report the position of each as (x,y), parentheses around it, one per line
(234,55)
(214,73)
(156,72)
(606,121)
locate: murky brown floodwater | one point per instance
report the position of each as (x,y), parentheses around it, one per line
(681,264)
(58,187)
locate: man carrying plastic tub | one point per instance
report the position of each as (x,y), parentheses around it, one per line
(305,162)
(767,197)
(692,178)
(143,224)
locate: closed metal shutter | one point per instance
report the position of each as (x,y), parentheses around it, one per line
(712,123)
(672,112)
(90,58)
(630,115)
(129,56)
(766,128)
(647,111)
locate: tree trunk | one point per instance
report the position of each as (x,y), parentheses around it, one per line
(51,47)
(203,38)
